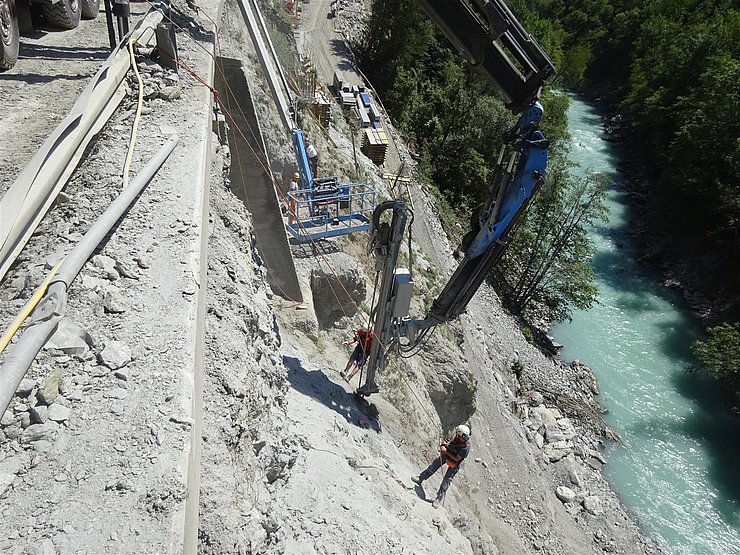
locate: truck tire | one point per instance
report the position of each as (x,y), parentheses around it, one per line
(64,14)
(8,34)
(90,8)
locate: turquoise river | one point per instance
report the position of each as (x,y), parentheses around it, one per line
(678,465)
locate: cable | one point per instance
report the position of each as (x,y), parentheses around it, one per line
(137,118)
(423,408)
(417,344)
(318,247)
(28,307)
(266,170)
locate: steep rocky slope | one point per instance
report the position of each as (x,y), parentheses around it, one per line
(334,475)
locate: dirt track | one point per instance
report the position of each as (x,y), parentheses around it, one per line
(53,67)
(105,468)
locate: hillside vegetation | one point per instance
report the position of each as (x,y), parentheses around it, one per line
(674,67)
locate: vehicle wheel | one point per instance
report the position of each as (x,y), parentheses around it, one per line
(90,8)
(64,14)
(8,34)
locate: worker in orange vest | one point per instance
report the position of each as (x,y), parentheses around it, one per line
(452,453)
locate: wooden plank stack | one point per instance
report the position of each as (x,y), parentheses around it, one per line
(375,144)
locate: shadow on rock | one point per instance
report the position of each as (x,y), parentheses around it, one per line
(419,490)
(314,383)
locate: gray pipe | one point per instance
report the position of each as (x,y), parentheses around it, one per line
(268,41)
(31,195)
(50,309)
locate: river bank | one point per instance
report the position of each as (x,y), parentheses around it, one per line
(672,254)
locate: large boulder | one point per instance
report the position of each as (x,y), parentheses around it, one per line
(337,289)
(450,385)
(70,338)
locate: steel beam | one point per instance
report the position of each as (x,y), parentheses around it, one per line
(269,65)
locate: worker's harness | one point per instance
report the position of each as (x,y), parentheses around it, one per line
(456,446)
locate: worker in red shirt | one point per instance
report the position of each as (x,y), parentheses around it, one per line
(364,340)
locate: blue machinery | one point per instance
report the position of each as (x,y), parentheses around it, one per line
(491,38)
(323,207)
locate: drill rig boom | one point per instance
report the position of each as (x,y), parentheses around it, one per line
(491,38)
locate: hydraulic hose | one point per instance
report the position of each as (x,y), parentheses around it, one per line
(50,310)
(28,308)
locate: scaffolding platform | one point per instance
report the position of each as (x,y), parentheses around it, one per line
(329,209)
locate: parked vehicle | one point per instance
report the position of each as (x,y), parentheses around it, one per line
(15,18)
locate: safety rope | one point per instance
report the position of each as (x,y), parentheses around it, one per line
(238,129)
(28,307)
(317,247)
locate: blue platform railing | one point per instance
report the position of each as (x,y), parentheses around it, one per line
(329,210)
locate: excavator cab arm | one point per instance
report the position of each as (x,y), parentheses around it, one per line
(495,43)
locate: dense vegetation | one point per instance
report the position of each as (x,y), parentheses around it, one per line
(672,66)
(720,354)
(675,68)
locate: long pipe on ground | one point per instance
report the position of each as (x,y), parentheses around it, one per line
(31,195)
(50,310)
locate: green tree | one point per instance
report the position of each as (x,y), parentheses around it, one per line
(575,63)
(704,156)
(555,123)
(719,354)
(547,264)
(397,36)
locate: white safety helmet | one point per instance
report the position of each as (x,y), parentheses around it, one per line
(463,430)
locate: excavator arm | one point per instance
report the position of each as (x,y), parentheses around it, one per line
(519,174)
(492,40)
(489,36)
